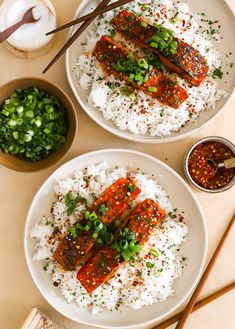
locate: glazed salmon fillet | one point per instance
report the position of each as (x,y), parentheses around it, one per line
(109,53)
(187,61)
(143,221)
(115,199)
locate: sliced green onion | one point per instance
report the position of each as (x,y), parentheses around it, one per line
(150,265)
(109,237)
(137,248)
(154,44)
(163,35)
(80,227)
(29,114)
(95,235)
(154,253)
(98,225)
(143,63)
(143,24)
(127,254)
(131,77)
(12,123)
(15,134)
(123,244)
(93,216)
(152,89)
(116,246)
(130,56)
(132,96)
(132,245)
(138,77)
(99,242)
(6,113)
(19,121)
(117,223)
(20,109)
(125,232)
(73,231)
(30,132)
(88,226)
(27,138)
(146,78)
(47,131)
(131,236)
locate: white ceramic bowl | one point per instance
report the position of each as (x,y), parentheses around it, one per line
(194,248)
(214,9)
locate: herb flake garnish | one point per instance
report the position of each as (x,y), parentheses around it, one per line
(72,204)
(217,73)
(103,209)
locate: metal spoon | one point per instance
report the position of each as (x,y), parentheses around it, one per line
(27,18)
(227,164)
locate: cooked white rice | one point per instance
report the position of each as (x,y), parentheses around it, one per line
(130,286)
(146,115)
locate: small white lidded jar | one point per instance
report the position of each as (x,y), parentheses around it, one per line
(29,40)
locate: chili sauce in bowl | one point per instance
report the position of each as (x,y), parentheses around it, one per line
(201,172)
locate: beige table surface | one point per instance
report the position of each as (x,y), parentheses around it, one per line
(18,293)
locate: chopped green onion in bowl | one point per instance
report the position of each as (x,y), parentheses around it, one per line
(33,124)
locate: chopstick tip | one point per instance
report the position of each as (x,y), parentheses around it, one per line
(45,70)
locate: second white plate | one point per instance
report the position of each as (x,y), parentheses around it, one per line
(194,248)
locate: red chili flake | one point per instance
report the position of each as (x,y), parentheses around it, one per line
(203,172)
(181,218)
(183,22)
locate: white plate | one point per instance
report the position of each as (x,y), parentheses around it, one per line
(194,248)
(214,9)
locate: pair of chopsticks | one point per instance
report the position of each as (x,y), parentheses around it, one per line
(102,8)
(192,305)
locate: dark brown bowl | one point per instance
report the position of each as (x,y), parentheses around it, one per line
(13,162)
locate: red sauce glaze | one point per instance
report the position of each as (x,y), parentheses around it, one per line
(107,51)
(99,268)
(203,172)
(71,251)
(116,198)
(143,220)
(187,61)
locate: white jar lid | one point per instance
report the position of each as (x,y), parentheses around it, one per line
(29,37)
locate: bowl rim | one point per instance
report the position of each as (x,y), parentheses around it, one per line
(223,141)
(72,108)
(113,129)
(182,181)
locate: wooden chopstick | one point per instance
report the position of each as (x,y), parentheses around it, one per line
(91,15)
(204,277)
(74,36)
(197,306)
